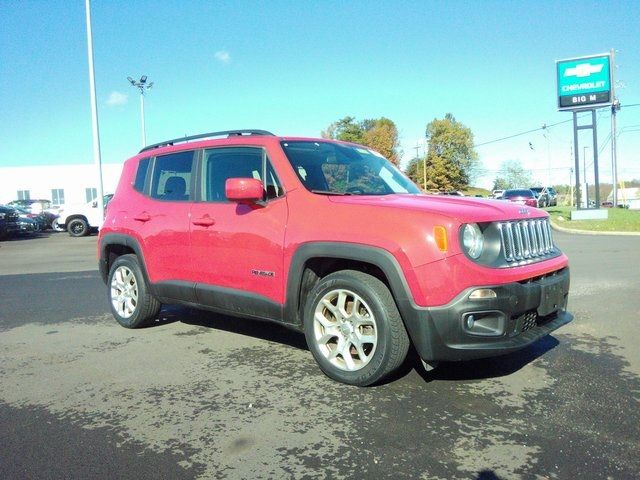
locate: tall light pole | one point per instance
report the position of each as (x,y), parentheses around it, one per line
(141,85)
(94,111)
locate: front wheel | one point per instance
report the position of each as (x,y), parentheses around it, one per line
(353,328)
(132,304)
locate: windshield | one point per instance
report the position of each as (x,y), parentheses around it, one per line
(330,168)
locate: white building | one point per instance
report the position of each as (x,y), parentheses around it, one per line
(62,184)
(628,196)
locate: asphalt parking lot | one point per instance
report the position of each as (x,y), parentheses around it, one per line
(199,395)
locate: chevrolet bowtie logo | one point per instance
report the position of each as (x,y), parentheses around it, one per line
(583,70)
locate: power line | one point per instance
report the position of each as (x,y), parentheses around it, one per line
(545,127)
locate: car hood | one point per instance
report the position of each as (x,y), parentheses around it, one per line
(462,209)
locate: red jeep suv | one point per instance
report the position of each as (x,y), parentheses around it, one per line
(330,239)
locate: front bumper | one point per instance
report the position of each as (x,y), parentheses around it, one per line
(465,329)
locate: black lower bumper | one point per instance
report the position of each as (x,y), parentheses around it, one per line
(468,328)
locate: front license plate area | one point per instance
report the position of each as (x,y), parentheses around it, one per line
(551,297)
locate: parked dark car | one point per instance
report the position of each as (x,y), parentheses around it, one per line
(41,220)
(8,221)
(522,196)
(542,196)
(40,210)
(553,196)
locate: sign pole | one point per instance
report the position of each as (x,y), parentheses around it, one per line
(577,157)
(614,146)
(596,178)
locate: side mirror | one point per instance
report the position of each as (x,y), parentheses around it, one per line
(244,190)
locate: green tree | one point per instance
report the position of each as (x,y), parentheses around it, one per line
(379,134)
(452,162)
(512,175)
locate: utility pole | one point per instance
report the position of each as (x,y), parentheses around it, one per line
(424,167)
(142,85)
(94,112)
(546,135)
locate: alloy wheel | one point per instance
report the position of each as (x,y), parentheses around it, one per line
(345,330)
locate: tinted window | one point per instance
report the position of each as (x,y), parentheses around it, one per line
(141,175)
(221,164)
(172,177)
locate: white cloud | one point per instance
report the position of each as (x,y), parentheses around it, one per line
(223,56)
(117,98)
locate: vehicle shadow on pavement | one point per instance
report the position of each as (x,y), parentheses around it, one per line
(484,368)
(264,330)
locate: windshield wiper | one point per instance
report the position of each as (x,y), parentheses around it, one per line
(330,192)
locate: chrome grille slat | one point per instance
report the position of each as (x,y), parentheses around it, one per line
(525,240)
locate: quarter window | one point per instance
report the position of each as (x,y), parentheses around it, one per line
(141,175)
(172,177)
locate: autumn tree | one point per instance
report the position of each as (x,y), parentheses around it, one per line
(379,134)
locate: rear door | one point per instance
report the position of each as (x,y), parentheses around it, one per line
(237,249)
(161,218)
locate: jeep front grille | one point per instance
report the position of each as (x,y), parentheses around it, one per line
(524,240)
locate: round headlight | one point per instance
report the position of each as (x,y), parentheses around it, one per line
(472,240)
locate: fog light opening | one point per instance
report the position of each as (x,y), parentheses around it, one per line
(483,293)
(485,324)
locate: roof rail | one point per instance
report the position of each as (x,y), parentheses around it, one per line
(227,133)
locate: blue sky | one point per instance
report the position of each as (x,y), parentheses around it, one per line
(295,67)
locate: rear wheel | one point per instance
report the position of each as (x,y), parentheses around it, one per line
(78,227)
(55,225)
(132,304)
(353,328)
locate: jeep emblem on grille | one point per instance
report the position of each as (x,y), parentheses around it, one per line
(523,211)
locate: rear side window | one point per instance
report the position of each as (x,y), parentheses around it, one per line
(172,177)
(141,175)
(221,164)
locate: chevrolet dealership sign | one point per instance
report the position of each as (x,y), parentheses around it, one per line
(584,82)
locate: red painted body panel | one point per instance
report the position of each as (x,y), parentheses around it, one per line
(245,239)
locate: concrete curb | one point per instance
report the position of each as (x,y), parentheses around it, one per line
(555,226)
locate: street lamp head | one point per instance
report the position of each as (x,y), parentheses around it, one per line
(131,81)
(143,79)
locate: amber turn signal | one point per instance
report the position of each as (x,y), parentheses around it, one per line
(440,236)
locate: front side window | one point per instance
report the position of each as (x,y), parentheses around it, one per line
(221,164)
(172,177)
(335,169)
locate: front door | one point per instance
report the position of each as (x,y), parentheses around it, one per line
(237,249)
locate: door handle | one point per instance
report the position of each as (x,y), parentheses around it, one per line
(142,217)
(205,221)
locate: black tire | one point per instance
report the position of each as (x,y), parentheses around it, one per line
(376,302)
(78,227)
(139,312)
